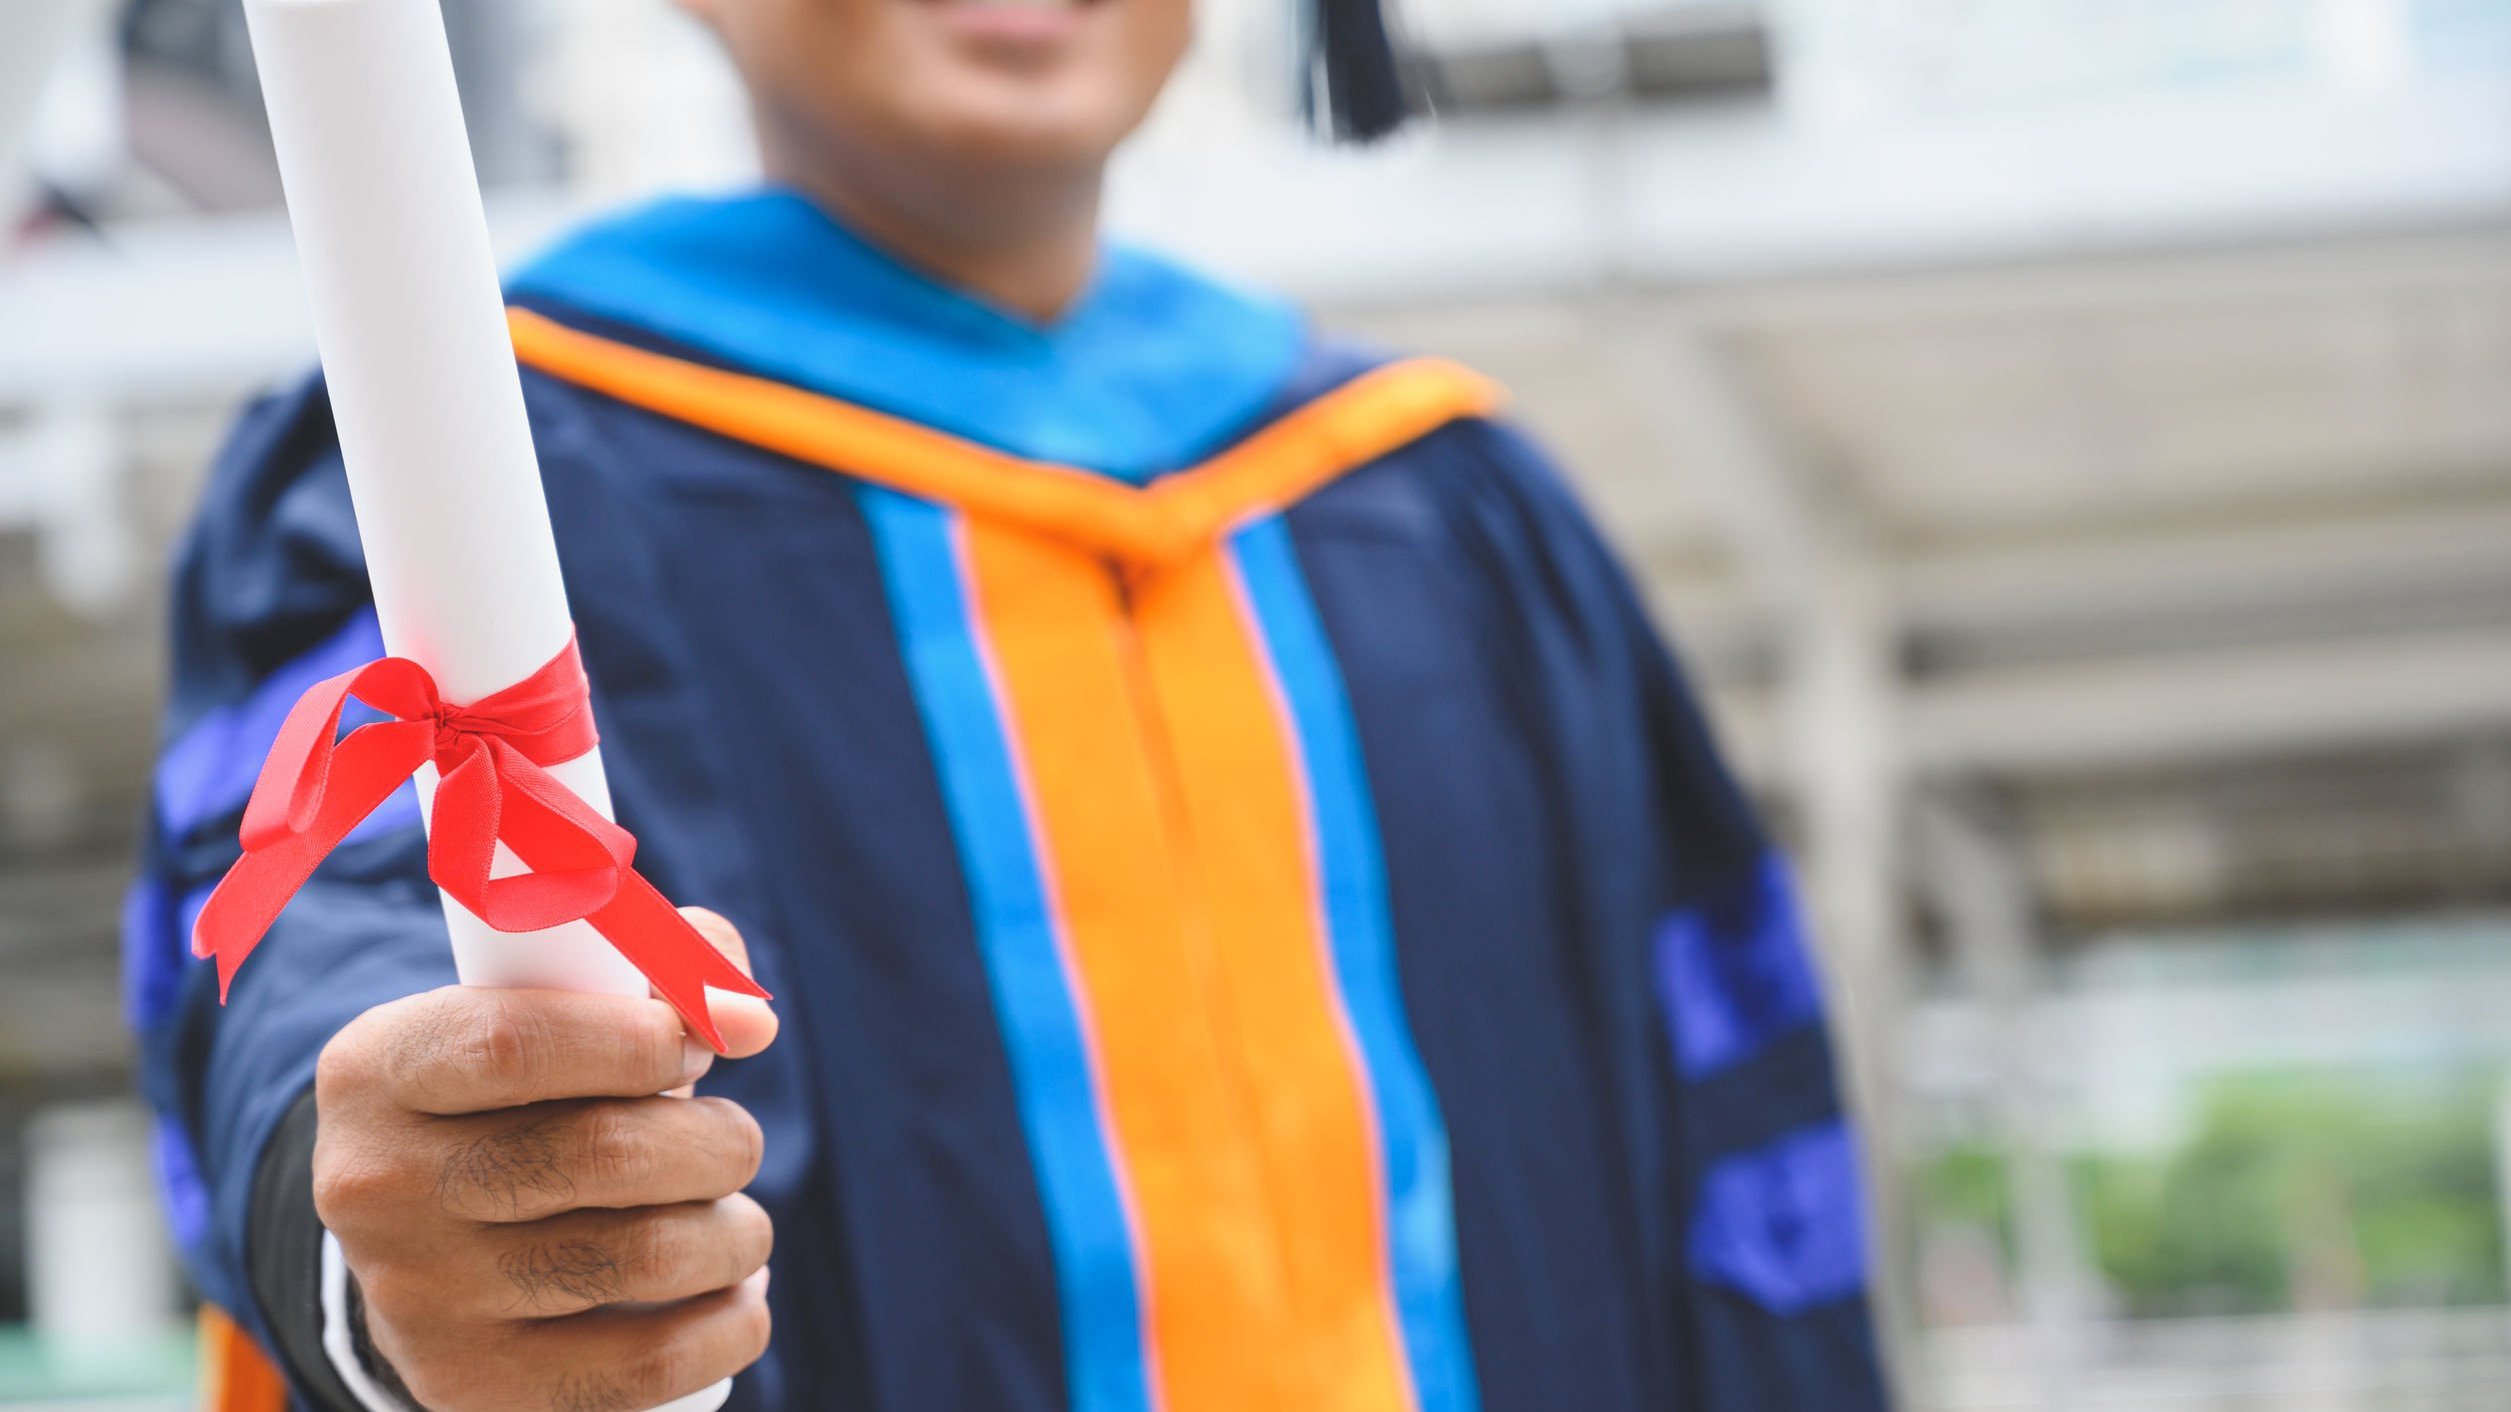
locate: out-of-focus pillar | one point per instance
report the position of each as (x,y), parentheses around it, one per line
(99,1272)
(1844,771)
(1982,889)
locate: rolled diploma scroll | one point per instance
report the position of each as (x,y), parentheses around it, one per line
(411,324)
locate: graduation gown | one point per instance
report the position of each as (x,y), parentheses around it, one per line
(1258,918)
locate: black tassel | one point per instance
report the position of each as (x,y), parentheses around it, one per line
(1355,89)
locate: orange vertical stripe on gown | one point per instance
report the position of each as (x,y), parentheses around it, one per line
(1245,801)
(1212,1291)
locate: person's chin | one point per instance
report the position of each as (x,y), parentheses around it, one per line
(1016,133)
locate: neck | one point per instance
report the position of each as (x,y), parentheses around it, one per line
(1026,242)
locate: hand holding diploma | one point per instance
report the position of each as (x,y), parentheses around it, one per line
(529,1225)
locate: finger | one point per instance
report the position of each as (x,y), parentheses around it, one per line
(470,1049)
(748,1023)
(589,1259)
(505,1168)
(626,1360)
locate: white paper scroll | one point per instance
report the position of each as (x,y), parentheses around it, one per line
(421,371)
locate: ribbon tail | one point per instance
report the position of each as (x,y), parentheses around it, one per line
(241,909)
(674,956)
(248,900)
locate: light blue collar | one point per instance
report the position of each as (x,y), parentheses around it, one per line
(1154,369)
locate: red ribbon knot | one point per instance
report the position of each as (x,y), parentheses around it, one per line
(493,786)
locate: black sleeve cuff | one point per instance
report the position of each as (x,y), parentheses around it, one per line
(284,1261)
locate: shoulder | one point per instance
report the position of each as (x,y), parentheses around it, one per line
(1479,506)
(1481,463)
(273,537)
(283,449)
(271,553)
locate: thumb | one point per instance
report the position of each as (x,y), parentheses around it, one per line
(748,1023)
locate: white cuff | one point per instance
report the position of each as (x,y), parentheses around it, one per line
(340,1336)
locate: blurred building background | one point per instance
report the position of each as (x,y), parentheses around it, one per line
(2071,440)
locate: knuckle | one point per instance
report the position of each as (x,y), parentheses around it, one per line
(353,1183)
(655,1249)
(343,1191)
(564,1274)
(516,1172)
(502,1037)
(617,1152)
(338,1071)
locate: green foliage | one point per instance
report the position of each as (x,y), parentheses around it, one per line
(2293,1191)
(2301,1191)
(1966,1184)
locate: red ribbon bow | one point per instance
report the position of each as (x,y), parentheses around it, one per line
(491,788)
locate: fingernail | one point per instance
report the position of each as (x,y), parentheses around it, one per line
(695,1060)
